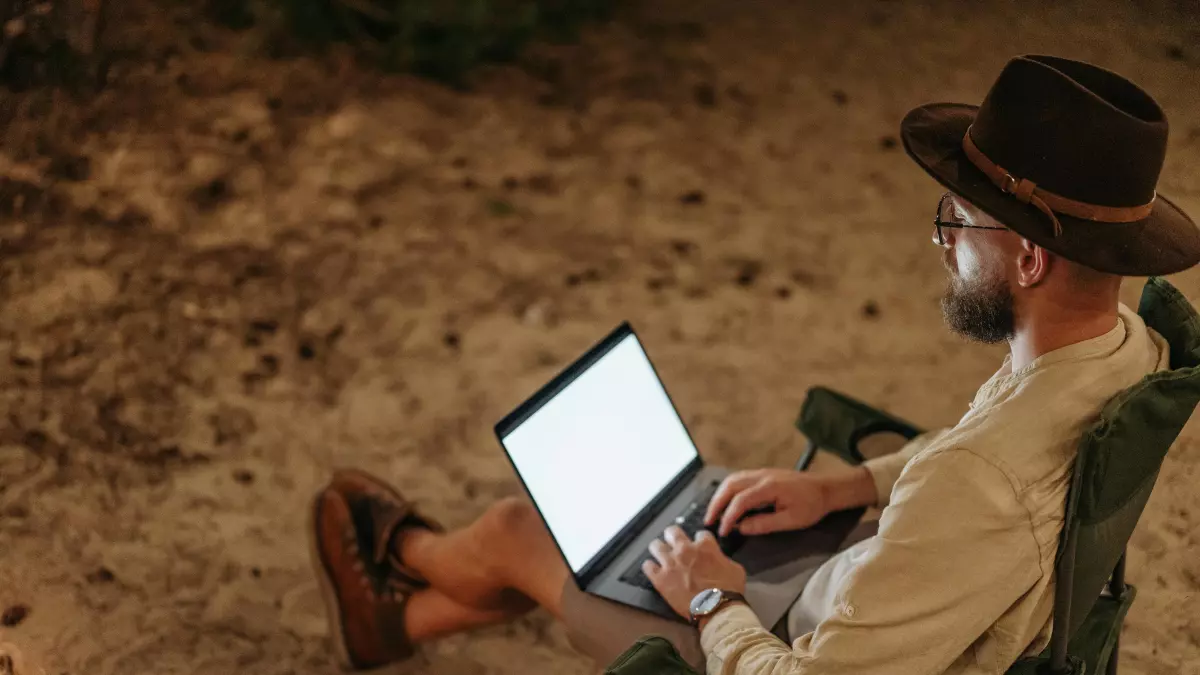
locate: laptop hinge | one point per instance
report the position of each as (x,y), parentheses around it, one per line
(615,546)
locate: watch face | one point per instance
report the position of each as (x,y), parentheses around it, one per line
(706,601)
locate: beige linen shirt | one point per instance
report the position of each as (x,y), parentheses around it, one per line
(959,578)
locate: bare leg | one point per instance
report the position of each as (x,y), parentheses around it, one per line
(503,565)
(430,615)
(499,567)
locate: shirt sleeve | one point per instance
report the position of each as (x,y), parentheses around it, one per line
(885,470)
(955,550)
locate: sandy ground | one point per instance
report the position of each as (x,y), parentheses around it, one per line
(269,268)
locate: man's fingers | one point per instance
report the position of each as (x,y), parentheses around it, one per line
(766,523)
(745,500)
(705,538)
(675,536)
(651,569)
(660,551)
(733,484)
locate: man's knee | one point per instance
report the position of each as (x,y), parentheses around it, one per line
(514,518)
(518,547)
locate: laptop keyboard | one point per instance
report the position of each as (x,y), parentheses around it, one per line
(691,521)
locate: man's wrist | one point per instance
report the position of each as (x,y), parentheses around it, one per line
(704,620)
(849,490)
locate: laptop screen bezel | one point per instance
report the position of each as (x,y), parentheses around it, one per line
(617,542)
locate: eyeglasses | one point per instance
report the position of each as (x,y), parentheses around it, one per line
(943,219)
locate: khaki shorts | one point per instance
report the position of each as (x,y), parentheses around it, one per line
(603,629)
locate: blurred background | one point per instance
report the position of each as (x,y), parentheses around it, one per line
(243,242)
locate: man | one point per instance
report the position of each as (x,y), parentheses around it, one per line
(1052,200)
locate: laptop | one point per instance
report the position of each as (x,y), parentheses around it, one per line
(609,464)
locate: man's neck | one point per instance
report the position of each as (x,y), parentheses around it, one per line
(1056,330)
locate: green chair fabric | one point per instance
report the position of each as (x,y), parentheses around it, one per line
(835,422)
(1120,457)
(1119,461)
(650,655)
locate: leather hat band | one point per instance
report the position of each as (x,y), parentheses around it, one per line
(1027,192)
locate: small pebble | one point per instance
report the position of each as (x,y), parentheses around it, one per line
(682,247)
(783,292)
(306,351)
(705,95)
(840,97)
(243,476)
(73,168)
(21,360)
(740,95)
(870,310)
(209,195)
(14,615)
(693,198)
(540,313)
(748,273)
(102,575)
(35,440)
(1175,53)
(451,340)
(255,572)
(804,278)
(888,142)
(268,326)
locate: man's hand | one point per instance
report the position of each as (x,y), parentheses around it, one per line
(800,500)
(685,567)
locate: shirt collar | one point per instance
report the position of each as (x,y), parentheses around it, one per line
(1098,346)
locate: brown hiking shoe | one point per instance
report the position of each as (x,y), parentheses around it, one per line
(366,587)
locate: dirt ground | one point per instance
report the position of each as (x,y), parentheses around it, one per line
(233,273)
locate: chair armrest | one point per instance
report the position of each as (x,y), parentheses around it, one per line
(650,655)
(835,422)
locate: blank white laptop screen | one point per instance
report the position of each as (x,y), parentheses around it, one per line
(600,450)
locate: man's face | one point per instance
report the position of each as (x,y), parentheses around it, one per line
(978,302)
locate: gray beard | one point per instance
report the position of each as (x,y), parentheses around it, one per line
(981,311)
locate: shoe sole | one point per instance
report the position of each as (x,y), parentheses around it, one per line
(333,605)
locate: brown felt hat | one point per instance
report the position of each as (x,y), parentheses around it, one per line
(1067,155)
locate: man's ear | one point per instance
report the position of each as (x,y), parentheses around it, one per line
(1033,264)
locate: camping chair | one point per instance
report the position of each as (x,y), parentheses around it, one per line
(1118,462)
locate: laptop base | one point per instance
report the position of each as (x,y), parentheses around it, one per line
(778,565)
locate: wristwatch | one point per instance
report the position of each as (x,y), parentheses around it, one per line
(710,601)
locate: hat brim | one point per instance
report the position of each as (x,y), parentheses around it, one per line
(1165,242)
